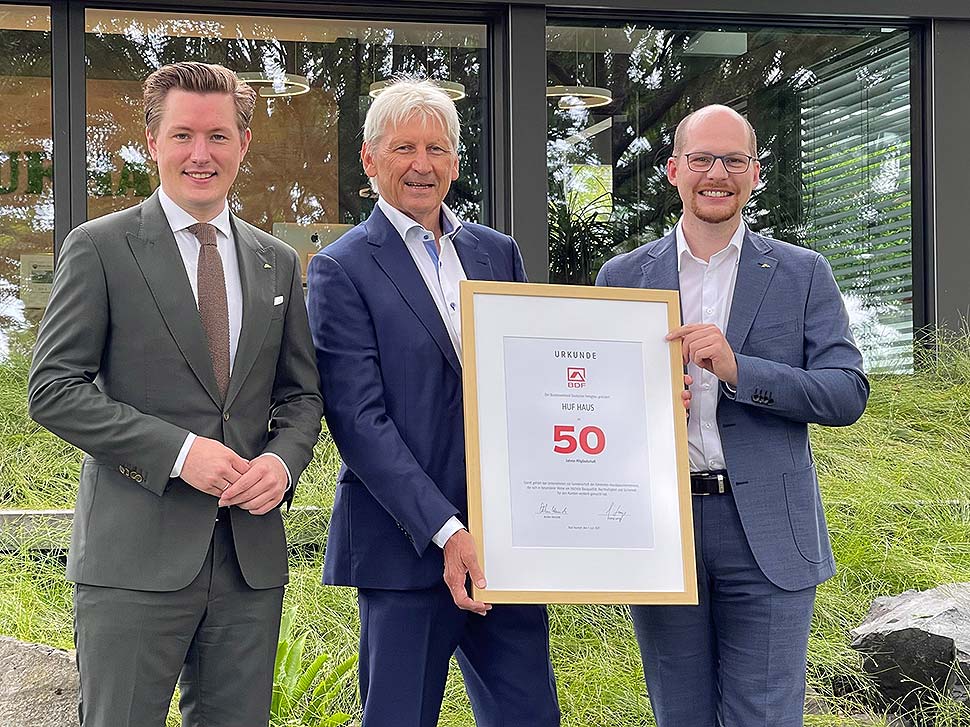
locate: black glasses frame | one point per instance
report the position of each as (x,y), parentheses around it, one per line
(714,160)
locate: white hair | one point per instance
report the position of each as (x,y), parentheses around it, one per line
(405,99)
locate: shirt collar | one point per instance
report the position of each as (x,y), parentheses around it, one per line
(450,224)
(736,239)
(179,219)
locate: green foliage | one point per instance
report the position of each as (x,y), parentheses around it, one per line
(578,238)
(897,501)
(303,694)
(37,470)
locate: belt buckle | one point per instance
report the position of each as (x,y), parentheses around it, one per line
(706,491)
(701,477)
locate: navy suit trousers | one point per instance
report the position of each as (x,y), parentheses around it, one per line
(406,642)
(738,658)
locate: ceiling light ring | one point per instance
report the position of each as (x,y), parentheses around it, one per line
(292,84)
(455,91)
(586,97)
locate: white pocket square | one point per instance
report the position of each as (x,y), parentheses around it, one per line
(278,300)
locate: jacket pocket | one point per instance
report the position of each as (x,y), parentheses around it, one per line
(766,333)
(805,514)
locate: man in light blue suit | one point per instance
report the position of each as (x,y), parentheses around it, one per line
(386,321)
(766,340)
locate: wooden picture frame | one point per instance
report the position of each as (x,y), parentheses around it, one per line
(576,444)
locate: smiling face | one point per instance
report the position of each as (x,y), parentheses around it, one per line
(414,164)
(198,148)
(715,196)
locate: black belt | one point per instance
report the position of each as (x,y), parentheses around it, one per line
(715,482)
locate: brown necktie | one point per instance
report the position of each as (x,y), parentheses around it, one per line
(213,304)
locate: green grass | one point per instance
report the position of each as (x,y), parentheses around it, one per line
(896,494)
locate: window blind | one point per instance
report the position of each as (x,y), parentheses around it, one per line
(855,130)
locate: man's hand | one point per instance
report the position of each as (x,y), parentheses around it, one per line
(460,559)
(211,467)
(706,346)
(260,489)
(685,395)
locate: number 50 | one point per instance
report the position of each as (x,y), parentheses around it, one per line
(591,440)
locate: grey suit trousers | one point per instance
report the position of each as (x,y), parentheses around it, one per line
(737,659)
(219,633)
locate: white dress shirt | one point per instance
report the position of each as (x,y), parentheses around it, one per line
(188,244)
(441,271)
(706,293)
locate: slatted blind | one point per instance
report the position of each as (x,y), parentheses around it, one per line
(855,130)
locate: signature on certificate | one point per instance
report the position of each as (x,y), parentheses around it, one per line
(546,509)
(614,513)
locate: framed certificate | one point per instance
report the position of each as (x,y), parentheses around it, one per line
(576,439)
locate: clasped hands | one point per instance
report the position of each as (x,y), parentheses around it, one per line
(256,485)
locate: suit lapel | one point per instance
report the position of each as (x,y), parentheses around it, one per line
(474,261)
(755,270)
(660,270)
(257,275)
(393,257)
(158,258)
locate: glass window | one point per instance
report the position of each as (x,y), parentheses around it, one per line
(831,108)
(302,179)
(26,183)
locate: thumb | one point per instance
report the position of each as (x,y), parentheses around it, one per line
(238,463)
(475,571)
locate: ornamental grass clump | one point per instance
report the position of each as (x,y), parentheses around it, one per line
(896,496)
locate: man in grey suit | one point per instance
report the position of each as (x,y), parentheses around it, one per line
(767,344)
(175,352)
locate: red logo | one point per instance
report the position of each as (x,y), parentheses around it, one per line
(575,377)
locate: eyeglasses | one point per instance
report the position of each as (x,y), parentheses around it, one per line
(702,161)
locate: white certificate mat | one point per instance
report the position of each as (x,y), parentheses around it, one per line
(576,442)
(590,489)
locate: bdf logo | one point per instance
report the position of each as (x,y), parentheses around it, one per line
(575,377)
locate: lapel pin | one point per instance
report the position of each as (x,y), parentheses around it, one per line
(765,265)
(267,266)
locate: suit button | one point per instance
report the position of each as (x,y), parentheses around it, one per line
(137,478)
(225,416)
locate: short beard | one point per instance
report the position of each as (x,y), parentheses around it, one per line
(715,216)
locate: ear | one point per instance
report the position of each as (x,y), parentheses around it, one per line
(367,160)
(672,170)
(454,169)
(246,138)
(152,144)
(757,174)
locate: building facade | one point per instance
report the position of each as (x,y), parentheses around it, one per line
(568,113)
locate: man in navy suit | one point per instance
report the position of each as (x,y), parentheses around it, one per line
(386,322)
(766,341)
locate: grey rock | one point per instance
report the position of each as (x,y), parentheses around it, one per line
(917,645)
(814,704)
(38,685)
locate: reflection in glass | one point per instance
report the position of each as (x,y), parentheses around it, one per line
(831,109)
(26,193)
(302,179)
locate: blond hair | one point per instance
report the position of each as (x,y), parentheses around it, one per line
(196,78)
